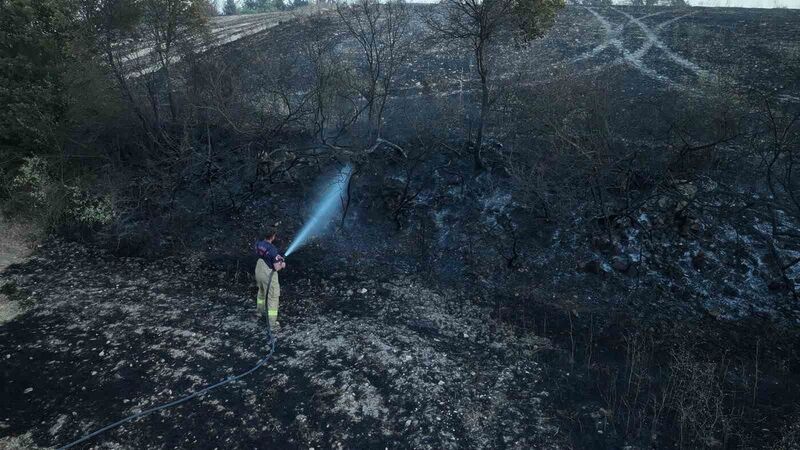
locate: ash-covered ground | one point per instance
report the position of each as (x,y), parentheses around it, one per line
(408,328)
(679,49)
(676,49)
(360,362)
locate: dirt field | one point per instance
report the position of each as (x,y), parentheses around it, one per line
(15,246)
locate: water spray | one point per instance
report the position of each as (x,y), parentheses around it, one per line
(328,205)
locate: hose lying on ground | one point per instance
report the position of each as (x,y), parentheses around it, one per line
(270,339)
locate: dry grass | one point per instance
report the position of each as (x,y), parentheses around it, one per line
(16,243)
(21,442)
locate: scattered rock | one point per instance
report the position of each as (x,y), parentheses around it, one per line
(602,244)
(730,291)
(621,263)
(423,326)
(665,202)
(776,286)
(699,260)
(593,266)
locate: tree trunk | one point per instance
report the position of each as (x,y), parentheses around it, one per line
(484,107)
(371,97)
(123,83)
(170,98)
(481,124)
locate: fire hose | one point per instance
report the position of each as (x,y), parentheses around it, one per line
(271,340)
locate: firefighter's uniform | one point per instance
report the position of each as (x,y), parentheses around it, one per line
(269,288)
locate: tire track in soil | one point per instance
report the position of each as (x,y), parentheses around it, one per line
(634,59)
(613,40)
(654,40)
(612,35)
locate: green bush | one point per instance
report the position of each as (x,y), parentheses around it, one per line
(51,202)
(87,209)
(35,36)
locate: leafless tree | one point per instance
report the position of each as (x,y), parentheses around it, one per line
(143,38)
(331,82)
(107,23)
(381,31)
(777,144)
(479,24)
(170,24)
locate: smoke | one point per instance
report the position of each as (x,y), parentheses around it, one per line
(326,208)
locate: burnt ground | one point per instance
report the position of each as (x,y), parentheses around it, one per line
(15,246)
(399,336)
(392,338)
(639,55)
(684,50)
(361,362)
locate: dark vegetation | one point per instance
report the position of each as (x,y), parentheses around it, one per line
(649,229)
(260,6)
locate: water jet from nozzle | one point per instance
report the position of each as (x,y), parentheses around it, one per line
(328,205)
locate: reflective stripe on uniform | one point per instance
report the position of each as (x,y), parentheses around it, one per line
(272,313)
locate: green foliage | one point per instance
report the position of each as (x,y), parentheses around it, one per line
(53,202)
(87,209)
(230,8)
(36,39)
(171,21)
(53,95)
(34,193)
(259,6)
(32,181)
(534,17)
(104,21)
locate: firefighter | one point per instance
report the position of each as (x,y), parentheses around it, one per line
(270,262)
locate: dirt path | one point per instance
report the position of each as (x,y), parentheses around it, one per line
(15,246)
